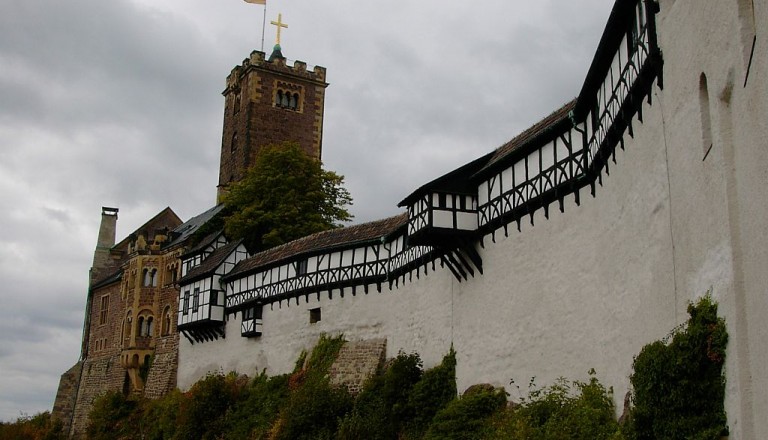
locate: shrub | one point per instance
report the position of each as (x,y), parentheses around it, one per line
(113,416)
(41,426)
(381,408)
(314,407)
(436,388)
(679,387)
(466,417)
(257,409)
(202,411)
(564,410)
(159,417)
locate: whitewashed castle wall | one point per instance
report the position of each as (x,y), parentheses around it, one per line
(589,287)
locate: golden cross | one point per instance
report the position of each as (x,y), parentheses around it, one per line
(279,23)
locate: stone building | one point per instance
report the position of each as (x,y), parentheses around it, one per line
(130,336)
(568,248)
(267,102)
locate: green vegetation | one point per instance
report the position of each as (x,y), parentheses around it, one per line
(285,195)
(565,410)
(679,387)
(38,427)
(678,394)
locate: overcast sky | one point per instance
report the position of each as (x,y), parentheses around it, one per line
(118,103)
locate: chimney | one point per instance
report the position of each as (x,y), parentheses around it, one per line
(106,240)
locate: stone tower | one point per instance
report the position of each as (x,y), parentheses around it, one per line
(107,230)
(268,102)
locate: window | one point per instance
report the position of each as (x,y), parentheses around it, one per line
(103,312)
(706,121)
(314,315)
(150,324)
(252,313)
(214,297)
(301,267)
(166,326)
(196,300)
(185,308)
(153,277)
(233,143)
(288,96)
(237,103)
(145,276)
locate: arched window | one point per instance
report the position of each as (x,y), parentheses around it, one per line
(279,98)
(150,326)
(166,325)
(153,277)
(140,326)
(145,277)
(233,143)
(127,326)
(706,119)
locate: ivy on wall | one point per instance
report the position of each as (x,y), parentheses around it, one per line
(679,386)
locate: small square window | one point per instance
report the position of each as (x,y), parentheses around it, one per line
(301,267)
(314,315)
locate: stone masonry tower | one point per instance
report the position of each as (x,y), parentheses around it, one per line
(268,102)
(107,230)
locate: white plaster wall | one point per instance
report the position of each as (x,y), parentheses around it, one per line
(584,289)
(414,318)
(719,204)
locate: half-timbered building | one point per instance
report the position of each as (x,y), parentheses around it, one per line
(566,249)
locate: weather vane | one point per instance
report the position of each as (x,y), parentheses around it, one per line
(279,23)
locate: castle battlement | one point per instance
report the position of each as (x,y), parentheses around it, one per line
(258,61)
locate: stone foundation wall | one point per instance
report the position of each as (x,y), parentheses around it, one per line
(66,396)
(356,362)
(98,376)
(162,373)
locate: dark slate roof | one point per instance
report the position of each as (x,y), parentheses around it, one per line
(209,265)
(166,214)
(204,243)
(321,241)
(186,229)
(530,135)
(107,280)
(455,182)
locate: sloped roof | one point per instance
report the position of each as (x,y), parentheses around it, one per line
(164,218)
(529,135)
(210,264)
(186,229)
(456,181)
(321,241)
(112,278)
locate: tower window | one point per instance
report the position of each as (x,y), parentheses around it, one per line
(233,143)
(104,310)
(288,96)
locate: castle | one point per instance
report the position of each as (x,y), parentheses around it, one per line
(568,248)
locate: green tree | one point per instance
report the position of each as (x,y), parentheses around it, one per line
(285,195)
